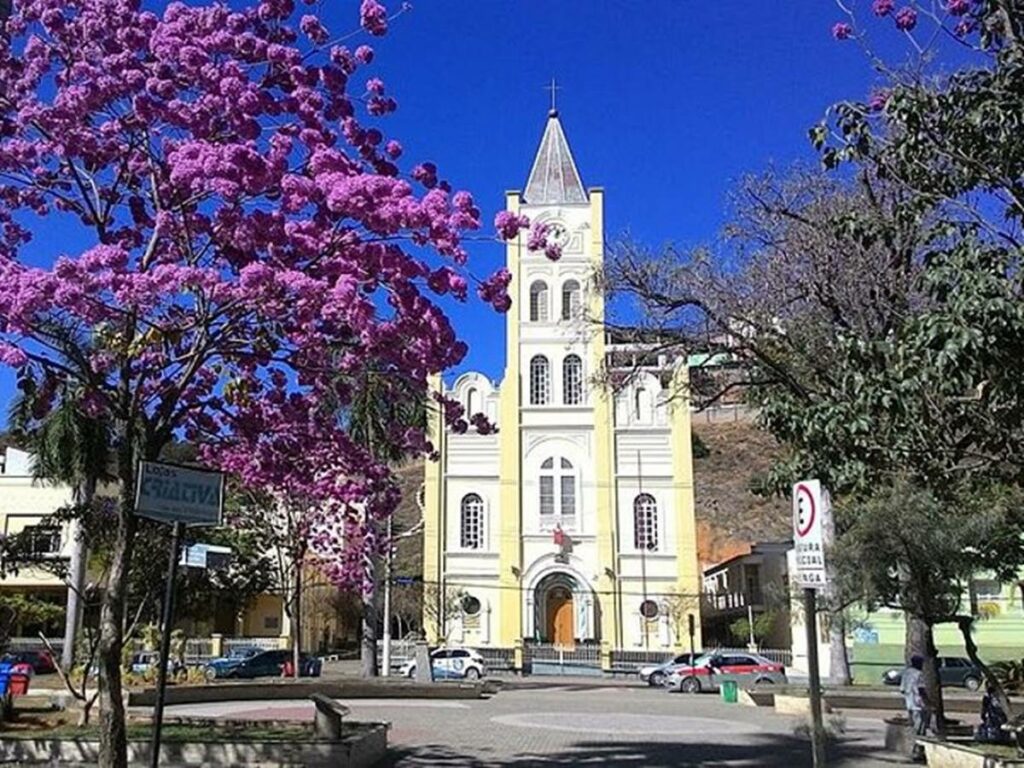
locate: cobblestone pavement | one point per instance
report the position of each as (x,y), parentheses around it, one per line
(568,725)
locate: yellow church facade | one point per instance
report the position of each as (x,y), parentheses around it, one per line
(574,523)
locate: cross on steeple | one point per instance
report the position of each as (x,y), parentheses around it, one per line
(554,88)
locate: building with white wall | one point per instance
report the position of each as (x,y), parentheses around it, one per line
(580,508)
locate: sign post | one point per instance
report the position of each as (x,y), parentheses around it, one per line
(182,496)
(692,631)
(810,511)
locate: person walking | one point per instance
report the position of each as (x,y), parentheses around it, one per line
(915,699)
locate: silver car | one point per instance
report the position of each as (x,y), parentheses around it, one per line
(657,674)
(709,672)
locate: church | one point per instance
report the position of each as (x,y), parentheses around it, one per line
(573,525)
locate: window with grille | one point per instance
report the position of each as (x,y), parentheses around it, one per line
(572,380)
(41,539)
(539,302)
(645,522)
(570,300)
(472,523)
(564,479)
(540,381)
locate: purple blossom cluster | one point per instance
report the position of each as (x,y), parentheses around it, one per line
(906,19)
(256,246)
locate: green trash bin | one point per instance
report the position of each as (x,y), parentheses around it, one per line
(730,691)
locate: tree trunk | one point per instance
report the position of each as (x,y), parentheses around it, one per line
(297,621)
(113,739)
(921,642)
(839,658)
(368,640)
(966,623)
(83,497)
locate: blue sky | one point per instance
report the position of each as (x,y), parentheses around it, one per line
(666,104)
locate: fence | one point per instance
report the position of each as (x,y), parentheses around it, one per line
(499,659)
(34,644)
(630,661)
(549,659)
(198,650)
(263,643)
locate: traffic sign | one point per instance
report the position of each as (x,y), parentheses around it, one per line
(811,515)
(174,494)
(208,556)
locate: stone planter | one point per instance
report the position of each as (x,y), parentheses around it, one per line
(899,736)
(947,754)
(366,744)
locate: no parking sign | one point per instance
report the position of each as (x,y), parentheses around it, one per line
(811,513)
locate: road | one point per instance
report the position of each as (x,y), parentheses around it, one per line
(567,724)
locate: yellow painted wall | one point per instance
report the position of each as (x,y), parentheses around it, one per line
(604,446)
(510,562)
(25,502)
(689,577)
(264,617)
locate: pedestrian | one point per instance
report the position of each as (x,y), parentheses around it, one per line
(915,699)
(993,718)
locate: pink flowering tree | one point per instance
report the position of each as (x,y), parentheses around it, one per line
(238,240)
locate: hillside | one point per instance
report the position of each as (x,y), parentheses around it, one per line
(729,515)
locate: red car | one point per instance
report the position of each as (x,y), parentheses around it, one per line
(710,671)
(40,661)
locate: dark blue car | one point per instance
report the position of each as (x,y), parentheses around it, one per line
(270,664)
(219,667)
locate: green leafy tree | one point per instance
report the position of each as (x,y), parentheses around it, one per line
(381,411)
(71,448)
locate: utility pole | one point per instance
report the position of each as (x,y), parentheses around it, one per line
(165,644)
(386,657)
(817,728)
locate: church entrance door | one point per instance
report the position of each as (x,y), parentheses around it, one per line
(560,617)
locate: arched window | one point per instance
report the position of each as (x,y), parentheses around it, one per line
(471,526)
(645,522)
(641,406)
(539,302)
(572,380)
(540,381)
(564,479)
(570,300)
(472,402)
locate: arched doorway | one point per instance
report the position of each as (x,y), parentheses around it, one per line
(558,606)
(561,616)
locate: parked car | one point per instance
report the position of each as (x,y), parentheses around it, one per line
(40,661)
(452,664)
(657,674)
(144,661)
(271,664)
(219,667)
(710,671)
(953,671)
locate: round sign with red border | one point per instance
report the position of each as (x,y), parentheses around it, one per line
(806,511)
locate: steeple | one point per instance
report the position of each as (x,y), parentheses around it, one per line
(554,178)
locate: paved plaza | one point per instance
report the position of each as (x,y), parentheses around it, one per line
(570,724)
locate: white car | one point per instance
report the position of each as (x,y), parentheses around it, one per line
(710,671)
(452,664)
(657,674)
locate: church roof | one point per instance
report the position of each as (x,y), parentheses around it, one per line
(554,178)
